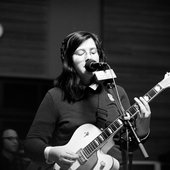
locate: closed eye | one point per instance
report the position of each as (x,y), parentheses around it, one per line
(93,51)
(79,52)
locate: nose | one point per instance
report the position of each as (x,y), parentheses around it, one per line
(14,140)
(88,55)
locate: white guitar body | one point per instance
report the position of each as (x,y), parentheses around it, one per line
(99,160)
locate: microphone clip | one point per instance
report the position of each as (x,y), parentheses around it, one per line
(105,75)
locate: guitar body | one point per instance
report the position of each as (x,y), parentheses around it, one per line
(88,138)
(99,160)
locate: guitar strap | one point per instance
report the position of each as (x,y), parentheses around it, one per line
(125,155)
(114,92)
(102,113)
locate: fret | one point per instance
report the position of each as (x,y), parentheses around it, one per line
(82,158)
(89,147)
(113,127)
(96,142)
(108,132)
(92,146)
(152,93)
(133,109)
(86,151)
(100,138)
(104,135)
(117,124)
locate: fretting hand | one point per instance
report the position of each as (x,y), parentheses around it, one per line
(143,117)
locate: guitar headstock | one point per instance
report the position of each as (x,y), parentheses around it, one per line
(165,83)
(167,75)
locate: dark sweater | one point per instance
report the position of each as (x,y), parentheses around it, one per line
(56,120)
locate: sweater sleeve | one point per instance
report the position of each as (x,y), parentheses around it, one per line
(41,129)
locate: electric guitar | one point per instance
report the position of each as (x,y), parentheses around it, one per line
(92,144)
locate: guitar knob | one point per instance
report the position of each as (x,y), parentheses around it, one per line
(102,165)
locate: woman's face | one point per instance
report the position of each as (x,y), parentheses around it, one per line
(86,50)
(10,140)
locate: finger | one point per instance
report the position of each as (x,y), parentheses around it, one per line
(67,161)
(139,102)
(147,107)
(127,116)
(142,108)
(145,103)
(145,111)
(72,155)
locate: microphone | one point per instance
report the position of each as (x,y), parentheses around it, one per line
(92,65)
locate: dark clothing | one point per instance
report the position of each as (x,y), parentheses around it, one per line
(16,164)
(56,120)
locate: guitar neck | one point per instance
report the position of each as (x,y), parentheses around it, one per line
(151,94)
(115,126)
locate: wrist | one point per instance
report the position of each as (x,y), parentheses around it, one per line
(144,135)
(46,155)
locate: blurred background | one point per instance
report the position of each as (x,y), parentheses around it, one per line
(136,40)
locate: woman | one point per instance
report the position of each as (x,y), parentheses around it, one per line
(78,99)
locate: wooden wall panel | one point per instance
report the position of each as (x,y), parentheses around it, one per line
(136,37)
(23,45)
(34,30)
(30,50)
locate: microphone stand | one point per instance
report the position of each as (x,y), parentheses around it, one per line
(110,83)
(128,124)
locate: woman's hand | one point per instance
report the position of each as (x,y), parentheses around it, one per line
(62,156)
(143,117)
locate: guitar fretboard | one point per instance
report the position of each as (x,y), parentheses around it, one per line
(148,97)
(115,126)
(99,141)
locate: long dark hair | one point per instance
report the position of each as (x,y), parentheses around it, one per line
(68,81)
